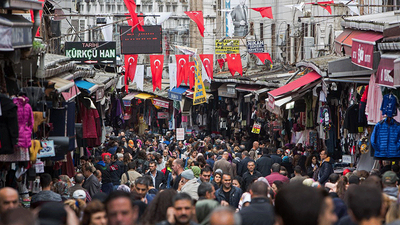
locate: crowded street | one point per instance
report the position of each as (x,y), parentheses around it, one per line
(187,112)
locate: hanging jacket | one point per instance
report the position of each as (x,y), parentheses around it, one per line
(385,139)
(8,125)
(25,121)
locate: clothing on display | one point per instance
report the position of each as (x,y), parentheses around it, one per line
(385,139)
(389,105)
(9,130)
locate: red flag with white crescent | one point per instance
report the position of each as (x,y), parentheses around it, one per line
(181,68)
(191,70)
(131,6)
(263,56)
(221,62)
(208,63)
(157,66)
(130,69)
(234,63)
(197,17)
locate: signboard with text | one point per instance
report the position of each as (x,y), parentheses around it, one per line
(255,46)
(137,42)
(91,52)
(362,54)
(180,134)
(227,46)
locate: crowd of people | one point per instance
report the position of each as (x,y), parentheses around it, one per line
(207,180)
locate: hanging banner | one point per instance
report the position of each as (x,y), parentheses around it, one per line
(47,149)
(239,15)
(180,134)
(199,95)
(255,46)
(256,128)
(162,115)
(385,73)
(227,46)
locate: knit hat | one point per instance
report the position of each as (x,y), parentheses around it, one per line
(389,177)
(79,194)
(187,174)
(196,171)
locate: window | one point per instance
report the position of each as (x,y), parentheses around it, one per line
(261,31)
(161,8)
(168,8)
(174,8)
(101,7)
(150,8)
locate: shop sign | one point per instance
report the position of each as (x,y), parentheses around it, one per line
(385,73)
(161,103)
(180,134)
(227,46)
(91,52)
(362,54)
(99,94)
(227,91)
(347,159)
(174,96)
(148,41)
(256,128)
(255,46)
(271,101)
(162,115)
(47,149)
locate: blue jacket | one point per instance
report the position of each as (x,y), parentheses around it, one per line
(385,139)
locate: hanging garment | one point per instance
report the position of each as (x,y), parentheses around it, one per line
(351,119)
(25,121)
(37,120)
(9,130)
(88,121)
(36,97)
(20,154)
(309,111)
(34,150)
(389,105)
(385,139)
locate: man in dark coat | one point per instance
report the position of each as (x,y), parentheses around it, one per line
(156,175)
(260,210)
(91,184)
(326,168)
(250,175)
(242,168)
(228,194)
(264,163)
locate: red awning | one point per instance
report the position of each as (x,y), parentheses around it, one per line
(385,73)
(368,37)
(339,40)
(292,86)
(247,87)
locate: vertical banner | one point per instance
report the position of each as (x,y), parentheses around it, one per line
(199,95)
(228,18)
(139,77)
(240,17)
(172,75)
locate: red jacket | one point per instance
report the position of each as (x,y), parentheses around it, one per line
(276,176)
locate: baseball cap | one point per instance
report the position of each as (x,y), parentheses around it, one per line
(346,171)
(389,177)
(79,194)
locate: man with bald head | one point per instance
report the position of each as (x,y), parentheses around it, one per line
(224,216)
(224,164)
(8,199)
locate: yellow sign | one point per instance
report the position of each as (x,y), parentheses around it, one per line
(256,128)
(227,46)
(199,95)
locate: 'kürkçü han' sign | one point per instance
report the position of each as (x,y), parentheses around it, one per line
(91,52)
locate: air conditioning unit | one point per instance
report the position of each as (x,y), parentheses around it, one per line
(308,44)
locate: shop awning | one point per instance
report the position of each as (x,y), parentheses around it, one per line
(15,32)
(144,96)
(345,40)
(128,98)
(176,93)
(227,90)
(161,102)
(89,87)
(71,93)
(339,40)
(61,84)
(295,85)
(362,50)
(385,72)
(249,88)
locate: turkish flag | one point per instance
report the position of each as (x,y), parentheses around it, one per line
(197,17)
(33,18)
(130,69)
(207,60)
(221,62)
(264,11)
(181,68)
(234,63)
(325,6)
(157,65)
(131,6)
(191,70)
(263,56)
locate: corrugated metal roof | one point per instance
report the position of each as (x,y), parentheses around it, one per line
(375,22)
